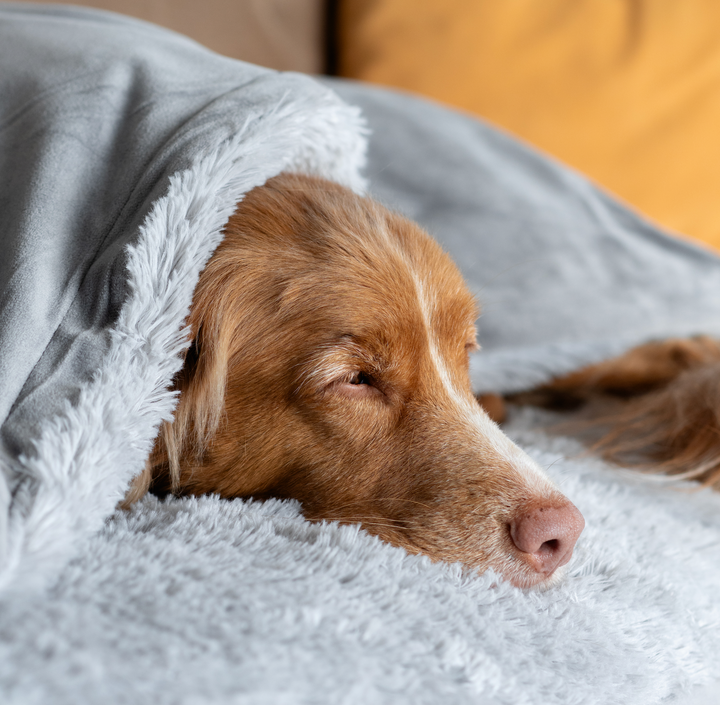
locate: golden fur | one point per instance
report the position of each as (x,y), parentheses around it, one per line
(329,364)
(656,407)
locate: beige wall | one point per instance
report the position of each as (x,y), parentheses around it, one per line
(282,34)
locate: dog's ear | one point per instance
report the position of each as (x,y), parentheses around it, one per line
(201,384)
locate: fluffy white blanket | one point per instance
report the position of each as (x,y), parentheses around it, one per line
(208,601)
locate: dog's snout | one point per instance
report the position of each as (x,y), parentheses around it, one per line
(547,535)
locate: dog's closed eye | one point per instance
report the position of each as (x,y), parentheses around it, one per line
(360,378)
(357,384)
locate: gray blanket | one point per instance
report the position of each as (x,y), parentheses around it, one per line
(123,150)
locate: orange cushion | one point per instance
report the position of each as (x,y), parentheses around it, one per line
(627,91)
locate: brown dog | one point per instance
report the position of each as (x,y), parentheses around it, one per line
(329,364)
(656,407)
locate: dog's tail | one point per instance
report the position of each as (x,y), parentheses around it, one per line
(675,430)
(656,408)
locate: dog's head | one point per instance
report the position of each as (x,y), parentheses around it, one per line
(329,364)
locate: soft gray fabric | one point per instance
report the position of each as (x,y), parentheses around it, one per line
(565,274)
(201,601)
(88,140)
(124,148)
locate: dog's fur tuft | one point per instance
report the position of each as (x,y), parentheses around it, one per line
(656,408)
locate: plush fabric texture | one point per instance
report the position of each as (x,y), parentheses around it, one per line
(125,149)
(566,275)
(626,91)
(209,601)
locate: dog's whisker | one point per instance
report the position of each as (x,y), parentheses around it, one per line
(557,460)
(366,523)
(359,517)
(382,499)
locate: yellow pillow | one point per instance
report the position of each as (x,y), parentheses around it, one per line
(627,91)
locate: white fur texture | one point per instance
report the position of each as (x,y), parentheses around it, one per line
(86,457)
(201,601)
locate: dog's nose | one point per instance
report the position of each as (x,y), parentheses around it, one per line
(547,534)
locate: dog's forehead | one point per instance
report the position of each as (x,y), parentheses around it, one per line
(343,257)
(400,281)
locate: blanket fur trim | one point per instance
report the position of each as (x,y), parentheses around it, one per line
(85,457)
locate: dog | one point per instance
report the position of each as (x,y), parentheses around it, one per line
(655,408)
(329,364)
